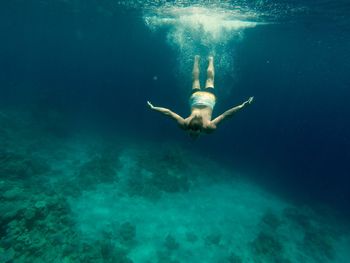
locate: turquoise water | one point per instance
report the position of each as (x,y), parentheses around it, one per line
(89,174)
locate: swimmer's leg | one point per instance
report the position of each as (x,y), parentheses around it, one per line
(195,74)
(210,73)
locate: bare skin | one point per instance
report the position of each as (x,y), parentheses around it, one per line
(202,113)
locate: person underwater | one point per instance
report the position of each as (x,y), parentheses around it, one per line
(202,102)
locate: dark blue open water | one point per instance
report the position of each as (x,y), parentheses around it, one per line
(70,67)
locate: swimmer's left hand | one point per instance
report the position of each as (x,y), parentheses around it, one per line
(150,105)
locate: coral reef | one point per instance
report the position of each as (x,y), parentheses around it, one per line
(38,227)
(213,239)
(233,258)
(163,257)
(127,232)
(20,166)
(32,219)
(160,171)
(99,169)
(318,238)
(319,243)
(170,243)
(270,221)
(266,247)
(140,183)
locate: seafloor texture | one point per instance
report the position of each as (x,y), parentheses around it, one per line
(86,199)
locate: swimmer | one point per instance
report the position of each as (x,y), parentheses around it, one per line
(202,102)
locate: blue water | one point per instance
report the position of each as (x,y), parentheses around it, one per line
(75,78)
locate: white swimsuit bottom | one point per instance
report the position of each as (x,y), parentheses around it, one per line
(200,98)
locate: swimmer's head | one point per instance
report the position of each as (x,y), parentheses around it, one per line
(195,127)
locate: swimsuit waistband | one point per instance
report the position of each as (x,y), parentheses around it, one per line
(208,89)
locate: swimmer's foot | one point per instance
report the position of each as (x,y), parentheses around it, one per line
(210,59)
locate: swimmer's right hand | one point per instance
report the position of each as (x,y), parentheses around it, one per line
(150,105)
(249,101)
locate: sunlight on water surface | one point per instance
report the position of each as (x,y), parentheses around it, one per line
(202,30)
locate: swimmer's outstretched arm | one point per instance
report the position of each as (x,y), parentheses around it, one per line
(167,112)
(231,111)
